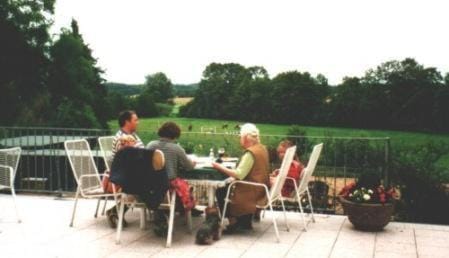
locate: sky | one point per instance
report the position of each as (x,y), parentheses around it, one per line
(336,38)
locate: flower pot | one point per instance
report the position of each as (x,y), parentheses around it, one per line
(367,216)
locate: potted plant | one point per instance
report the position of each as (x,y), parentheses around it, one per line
(367,203)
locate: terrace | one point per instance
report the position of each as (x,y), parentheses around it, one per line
(44,232)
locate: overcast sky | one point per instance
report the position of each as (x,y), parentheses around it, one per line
(337,38)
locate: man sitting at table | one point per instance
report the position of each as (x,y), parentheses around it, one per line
(253,167)
(176,160)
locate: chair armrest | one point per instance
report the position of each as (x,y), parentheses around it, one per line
(250,183)
(294,181)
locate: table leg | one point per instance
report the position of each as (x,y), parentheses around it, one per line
(211,196)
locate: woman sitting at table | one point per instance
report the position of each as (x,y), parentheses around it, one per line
(253,167)
(176,160)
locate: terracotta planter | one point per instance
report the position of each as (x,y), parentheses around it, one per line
(367,217)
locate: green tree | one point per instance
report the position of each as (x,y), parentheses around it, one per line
(298,98)
(74,76)
(23,60)
(159,86)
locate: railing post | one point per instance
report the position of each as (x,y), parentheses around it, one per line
(387,161)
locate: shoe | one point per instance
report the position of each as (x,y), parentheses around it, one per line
(234,229)
(112,218)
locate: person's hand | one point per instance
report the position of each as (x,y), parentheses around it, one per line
(272,180)
(275,172)
(193,163)
(216,165)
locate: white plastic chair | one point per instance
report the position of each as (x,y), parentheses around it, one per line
(85,173)
(105,144)
(273,194)
(9,161)
(303,187)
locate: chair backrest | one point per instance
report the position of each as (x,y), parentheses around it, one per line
(105,143)
(276,188)
(9,158)
(82,163)
(308,171)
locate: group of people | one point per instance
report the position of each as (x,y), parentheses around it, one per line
(253,166)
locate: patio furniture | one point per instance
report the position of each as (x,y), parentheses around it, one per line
(9,161)
(105,143)
(303,186)
(274,194)
(85,173)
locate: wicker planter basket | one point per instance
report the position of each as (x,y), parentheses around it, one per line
(367,217)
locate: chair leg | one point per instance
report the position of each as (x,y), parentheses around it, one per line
(225,207)
(302,214)
(13,192)
(143,217)
(285,214)
(104,206)
(74,206)
(96,209)
(171,219)
(310,203)
(274,223)
(189,221)
(120,220)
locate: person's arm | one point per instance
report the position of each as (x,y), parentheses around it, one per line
(184,161)
(242,170)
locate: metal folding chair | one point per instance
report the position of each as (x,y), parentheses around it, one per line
(9,161)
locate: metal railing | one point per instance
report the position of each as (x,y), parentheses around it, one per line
(44,166)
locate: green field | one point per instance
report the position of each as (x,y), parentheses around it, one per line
(148,125)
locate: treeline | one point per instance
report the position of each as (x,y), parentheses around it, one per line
(46,81)
(401,95)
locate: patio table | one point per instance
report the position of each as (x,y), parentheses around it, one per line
(207,177)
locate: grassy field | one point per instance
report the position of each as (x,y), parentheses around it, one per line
(148,125)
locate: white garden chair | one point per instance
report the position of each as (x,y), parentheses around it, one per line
(274,194)
(85,173)
(9,161)
(105,144)
(303,186)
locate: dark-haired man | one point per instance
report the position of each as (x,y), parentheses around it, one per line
(128,122)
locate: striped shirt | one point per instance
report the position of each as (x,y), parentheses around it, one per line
(120,133)
(175,156)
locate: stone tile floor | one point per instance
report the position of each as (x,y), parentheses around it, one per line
(44,232)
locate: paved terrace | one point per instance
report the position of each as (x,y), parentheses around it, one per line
(44,232)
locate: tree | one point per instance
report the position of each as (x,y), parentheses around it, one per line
(23,60)
(216,89)
(75,77)
(159,86)
(297,98)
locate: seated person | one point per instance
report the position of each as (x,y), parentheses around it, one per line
(176,160)
(123,141)
(253,167)
(295,171)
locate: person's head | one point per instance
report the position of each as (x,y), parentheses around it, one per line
(169,130)
(282,148)
(128,121)
(249,135)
